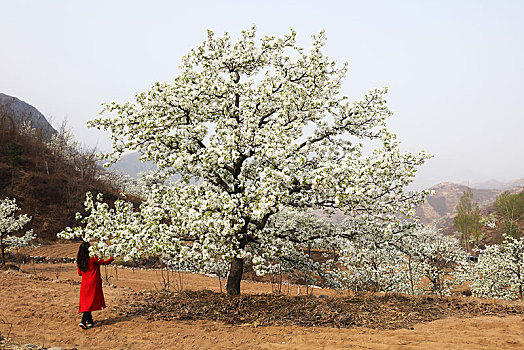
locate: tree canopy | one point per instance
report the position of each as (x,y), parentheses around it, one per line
(511,207)
(10,223)
(468,219)
(256,127)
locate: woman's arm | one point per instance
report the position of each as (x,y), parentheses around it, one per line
(79,271)
(104,262)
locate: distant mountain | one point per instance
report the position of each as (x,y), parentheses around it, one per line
(497,185)
(14,110)
(441,206)
(488,185)
(515,184)
(130,164)
(47,187)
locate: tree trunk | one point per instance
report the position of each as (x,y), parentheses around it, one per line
(3,252)
(520,284)
(411,277)
(235,276)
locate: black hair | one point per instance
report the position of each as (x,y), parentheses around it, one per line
(82,258)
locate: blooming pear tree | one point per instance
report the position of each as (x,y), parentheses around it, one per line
(499,272)
(368,265)
(421,261)
(120,230)
(255,127)
(440,258)
(117,180)
(287,244)
(9,223)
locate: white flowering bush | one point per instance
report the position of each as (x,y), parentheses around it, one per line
(117,180)
(378,267)
(147,182)
(287,242)
(499,272)
(121,230)
(26,128)
(10,223)
(424,261)
(26,240)
(254,127)
(440,259)
(125,184)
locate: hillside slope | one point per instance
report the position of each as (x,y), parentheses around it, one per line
(442,204)
(446,197)
(45,186)
(14,111)
(441,207)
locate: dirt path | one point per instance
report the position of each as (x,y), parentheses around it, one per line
(43,312)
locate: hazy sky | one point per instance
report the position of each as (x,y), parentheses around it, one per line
(455,69)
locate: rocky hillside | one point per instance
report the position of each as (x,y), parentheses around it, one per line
(441,206)
(46,186)
(14,112)
(447,196)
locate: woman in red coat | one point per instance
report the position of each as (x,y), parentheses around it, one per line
(91,294)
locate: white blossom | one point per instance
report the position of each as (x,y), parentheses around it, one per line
(10,223)
(499,272)
(234,125)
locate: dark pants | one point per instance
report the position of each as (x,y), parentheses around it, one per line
(87,317)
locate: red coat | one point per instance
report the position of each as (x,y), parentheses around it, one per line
(91,294)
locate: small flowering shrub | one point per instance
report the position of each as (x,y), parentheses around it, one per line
(438,257)
(424,261)
(499,272)
(10,223)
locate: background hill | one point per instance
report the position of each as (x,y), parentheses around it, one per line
(446,196)
(497,185)
(130,164)
(48,183)
(441,206)
(14,112)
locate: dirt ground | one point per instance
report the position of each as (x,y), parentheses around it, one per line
(39,304)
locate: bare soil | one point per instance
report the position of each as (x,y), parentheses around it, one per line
(39,305)
(372,311)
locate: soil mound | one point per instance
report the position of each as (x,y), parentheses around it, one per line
(371,311)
